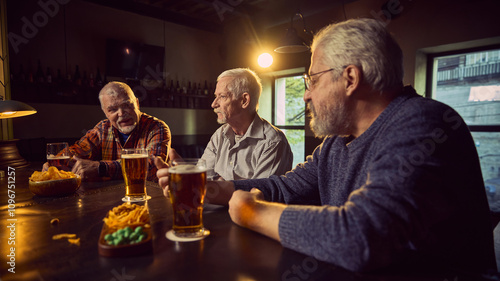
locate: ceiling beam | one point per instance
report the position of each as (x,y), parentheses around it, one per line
(160,13)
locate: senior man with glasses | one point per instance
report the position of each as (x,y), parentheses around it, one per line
(396,181)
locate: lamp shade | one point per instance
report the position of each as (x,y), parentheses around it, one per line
(291,43)
(12,109)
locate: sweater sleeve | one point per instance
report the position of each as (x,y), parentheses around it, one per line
(296,186)
(419,195)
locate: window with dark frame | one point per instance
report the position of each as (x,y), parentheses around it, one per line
(469,82)
(288,112)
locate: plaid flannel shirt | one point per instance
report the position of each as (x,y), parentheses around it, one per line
(102,143)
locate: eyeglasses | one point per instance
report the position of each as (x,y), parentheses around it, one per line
(309,82)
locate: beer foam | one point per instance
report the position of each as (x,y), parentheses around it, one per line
(186,169)
(134,155)
(55,157)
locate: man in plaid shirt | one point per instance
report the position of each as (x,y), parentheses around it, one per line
(98,153)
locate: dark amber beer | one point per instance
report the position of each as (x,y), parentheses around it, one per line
(187,193)
(135,169)
(58,155)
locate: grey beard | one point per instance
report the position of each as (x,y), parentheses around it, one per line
(335,121)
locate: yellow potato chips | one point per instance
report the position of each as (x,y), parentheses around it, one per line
(63,236)
(72,239)
(75,241)
(126,214)
(51,174)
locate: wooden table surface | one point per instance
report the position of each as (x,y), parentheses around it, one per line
(229,253)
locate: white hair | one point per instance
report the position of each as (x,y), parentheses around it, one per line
(367,44)
(245,81)
(115,89)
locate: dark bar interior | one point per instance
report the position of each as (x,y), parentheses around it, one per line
(58,54)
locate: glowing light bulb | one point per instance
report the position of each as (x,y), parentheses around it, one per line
(265,60)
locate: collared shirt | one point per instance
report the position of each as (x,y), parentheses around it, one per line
(262,151)
(102,143)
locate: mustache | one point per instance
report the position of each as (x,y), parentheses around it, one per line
(310,111)
(124,117)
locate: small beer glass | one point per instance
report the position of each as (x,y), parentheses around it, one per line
(135,171)
(187,192)
(58,155)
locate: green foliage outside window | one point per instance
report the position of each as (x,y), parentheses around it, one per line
(292,106)
(294,103)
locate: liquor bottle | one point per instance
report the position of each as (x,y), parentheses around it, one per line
(48,76)
(171,97)
(85,79)
(68,78)
(59,78)
(205,89)
(91,80)
(199,90)
(171,88)
(77,79)
(59,81)
(164,87)
(30,75)
(178,89)
(184,88)
(21,76)
(98,79)
(39,73)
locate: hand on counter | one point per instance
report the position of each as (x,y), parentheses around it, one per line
(250,210)
(87,169)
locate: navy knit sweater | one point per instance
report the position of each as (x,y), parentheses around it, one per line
(410,184)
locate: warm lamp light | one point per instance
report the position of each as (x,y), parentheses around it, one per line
(12,109)
(265,60)
(9,154)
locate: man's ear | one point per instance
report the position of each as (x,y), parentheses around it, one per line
(137,101)
(245,100)
(353,78)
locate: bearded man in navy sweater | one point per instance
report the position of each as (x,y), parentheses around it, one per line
(396,179)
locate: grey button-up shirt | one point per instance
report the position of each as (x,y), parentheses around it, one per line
(263,151)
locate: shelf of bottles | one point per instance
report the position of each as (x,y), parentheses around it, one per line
(49,87)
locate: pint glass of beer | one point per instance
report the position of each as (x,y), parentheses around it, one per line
(58,155)
(187,192)
(135,171)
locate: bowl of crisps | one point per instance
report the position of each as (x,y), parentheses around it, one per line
(54,182)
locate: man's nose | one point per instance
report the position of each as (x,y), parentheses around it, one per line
(215,104)
(307,96)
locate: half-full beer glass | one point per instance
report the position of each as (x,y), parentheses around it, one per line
(135,171)
(187,192)
(58,155)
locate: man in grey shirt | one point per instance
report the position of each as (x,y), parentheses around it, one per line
(396,181)
(245,146)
